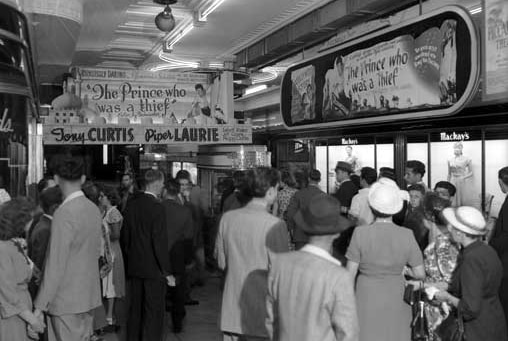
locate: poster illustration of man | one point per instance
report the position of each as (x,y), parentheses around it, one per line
(335,102)
(303,94)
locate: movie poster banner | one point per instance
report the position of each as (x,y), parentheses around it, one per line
(178,97)
(398,71)
(496,49)
(140,134)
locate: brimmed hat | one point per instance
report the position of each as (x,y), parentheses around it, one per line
(387,181)
(345,166)
(466,219)
(385,198)
(322,216)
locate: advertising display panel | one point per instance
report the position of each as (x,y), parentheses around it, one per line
(406,71)
(496,49)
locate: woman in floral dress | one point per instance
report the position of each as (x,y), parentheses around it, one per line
(440,260)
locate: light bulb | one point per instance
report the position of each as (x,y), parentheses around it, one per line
(165,20)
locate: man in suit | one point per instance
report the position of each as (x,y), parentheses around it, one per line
(38,241)
(499,240)
(144,241)
(179,224)
(70,288)
(300,200)
(346,189)
(313,276)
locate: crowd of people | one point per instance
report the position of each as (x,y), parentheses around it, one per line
(371,261)
(92,258)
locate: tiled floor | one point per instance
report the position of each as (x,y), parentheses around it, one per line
(201,323)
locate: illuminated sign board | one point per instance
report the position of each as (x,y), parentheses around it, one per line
(139,134)
(425,67)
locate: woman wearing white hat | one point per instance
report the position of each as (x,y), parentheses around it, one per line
(476,280)
(378,253)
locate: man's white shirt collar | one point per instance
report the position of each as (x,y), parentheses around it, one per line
(48,216)
(73,195)
(151,194)
(320,253)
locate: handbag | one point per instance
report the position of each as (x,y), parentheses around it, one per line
(452,328)
(419,325)
(409,296)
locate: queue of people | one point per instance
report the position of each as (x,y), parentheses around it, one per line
(394,264)
(91,259)
(355,266)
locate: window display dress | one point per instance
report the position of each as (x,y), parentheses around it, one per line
(460,174)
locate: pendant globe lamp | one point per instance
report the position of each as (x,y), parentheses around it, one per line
(165,20)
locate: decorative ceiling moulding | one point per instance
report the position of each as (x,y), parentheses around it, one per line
(319,25)
(301,8)
(68,9)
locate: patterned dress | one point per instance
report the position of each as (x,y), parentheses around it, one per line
(440,260)
(113,285)
(283,198)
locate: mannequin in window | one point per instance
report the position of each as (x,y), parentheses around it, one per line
(460,174)
(353,160)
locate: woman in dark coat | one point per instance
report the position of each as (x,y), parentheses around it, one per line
(476,280)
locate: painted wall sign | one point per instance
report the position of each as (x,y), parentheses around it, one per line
(182,97)
(496,49)
(406,71)
(139,134)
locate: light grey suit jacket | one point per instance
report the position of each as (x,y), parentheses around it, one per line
(70,283)
(310,298)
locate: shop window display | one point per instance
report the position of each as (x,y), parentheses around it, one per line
(321,165)
(496,157)
(459,162)
(358,155)
(417,148)
(385,153)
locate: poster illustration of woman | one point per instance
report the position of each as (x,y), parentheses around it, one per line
(447,70)
(335,102)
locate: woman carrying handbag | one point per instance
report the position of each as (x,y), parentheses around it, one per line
(474,289)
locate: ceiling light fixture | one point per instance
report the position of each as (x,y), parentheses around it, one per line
(180,35)
(165,20)
(254,89)
(475,9)
(204,14)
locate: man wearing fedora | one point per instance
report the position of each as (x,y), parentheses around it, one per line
(346,189)
(300,200)
(313,277)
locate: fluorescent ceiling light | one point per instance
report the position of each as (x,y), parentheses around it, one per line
(254,89)
(180,35)
(104,154)
(209,10)
(177,62)
(266,76)
(216,65)
(475,9)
